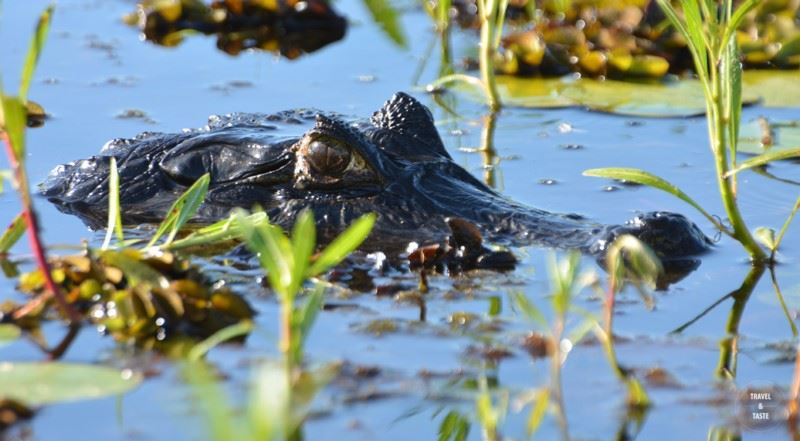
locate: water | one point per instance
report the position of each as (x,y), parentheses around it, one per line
(95,68)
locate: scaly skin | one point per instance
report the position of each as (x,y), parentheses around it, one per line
(393,164)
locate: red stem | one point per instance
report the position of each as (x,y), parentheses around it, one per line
(33,235)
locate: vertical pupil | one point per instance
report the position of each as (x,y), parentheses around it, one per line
(328,157)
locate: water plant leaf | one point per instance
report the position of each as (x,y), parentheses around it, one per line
(386,16)
(454,427)
(736,19)
(40,383)
(12,234)
(651,180)
(114,212)
(34,51)
(304,239)
(135,271)
(696,47)
(343,245)
(774,88)
(199,350)
(220,231)
(764,159)
(13,122)
(766,236)
(274,253)
(536,416)
(521,301)
(182,210)
(8,333)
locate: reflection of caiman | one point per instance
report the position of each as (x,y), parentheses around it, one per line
(288,27)
(394,164)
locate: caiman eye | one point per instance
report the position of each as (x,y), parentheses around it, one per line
(328,157)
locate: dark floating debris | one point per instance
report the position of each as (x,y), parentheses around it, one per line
(463,251)
(290,28)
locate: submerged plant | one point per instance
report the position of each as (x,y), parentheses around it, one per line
(710,31)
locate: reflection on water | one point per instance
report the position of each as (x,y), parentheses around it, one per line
(290,28)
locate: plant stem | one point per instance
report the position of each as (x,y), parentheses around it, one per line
(33,235)
(488,10)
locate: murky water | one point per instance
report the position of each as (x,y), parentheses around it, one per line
(95,68)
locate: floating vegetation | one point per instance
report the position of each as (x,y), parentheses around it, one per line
(142,297)
(626,39)
(290,28)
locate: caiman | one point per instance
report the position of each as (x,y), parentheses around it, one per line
(393,164)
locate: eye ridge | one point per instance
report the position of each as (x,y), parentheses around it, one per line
(328,157)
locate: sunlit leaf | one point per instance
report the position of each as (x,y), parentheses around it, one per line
(766,236)
(8,333)
(454,427)
(114,212)
(344,244)
(765,158)
(304,238)
(34,51)
(40,383)
(775,88)
(199,350)
(274,253)
(384,14)
(737,17)
(5,175)
(14,122)
(524,304)
(135,271)
(645,178)
(12,234)
(221,231)
(537,412)
(182,210)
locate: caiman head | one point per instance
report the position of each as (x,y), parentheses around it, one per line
(394,165)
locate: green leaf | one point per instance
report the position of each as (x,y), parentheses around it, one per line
(343,245)
(34,51)
(304,239)
(8,333)
(384,14)
(39,383)
(221,231)
(14,121)
(208,393)
(199,350)
(114,212)
(766,236)
(308,313)
(182,210)
(775,88)
(12,234)
(135,271)
(736,19)
(697,49)
(761,135)
(274,253)
(537,412)
(694,29)
(533,313)
(764,159)
(454,427)
(732,85)
(645,178)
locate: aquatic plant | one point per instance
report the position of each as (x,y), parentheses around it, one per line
(710,31)
(492,15)
(13,119)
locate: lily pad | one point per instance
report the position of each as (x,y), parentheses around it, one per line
(774,88)
(658,99)
(40,383)
(8,333)
(761,135)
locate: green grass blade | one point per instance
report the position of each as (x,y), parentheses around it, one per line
(454,427)
(384,14)
(699,53)
(786,224)
(34,51)
(764,159)
(343,245)
(14,121)
(537,412)
(274,253)
(736,20)
(732,84)
(521,301)
(12,234)
(199,350)
(182,210)
(221,231)
(304,239)
(645,178)
(694,28)
(114,212)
